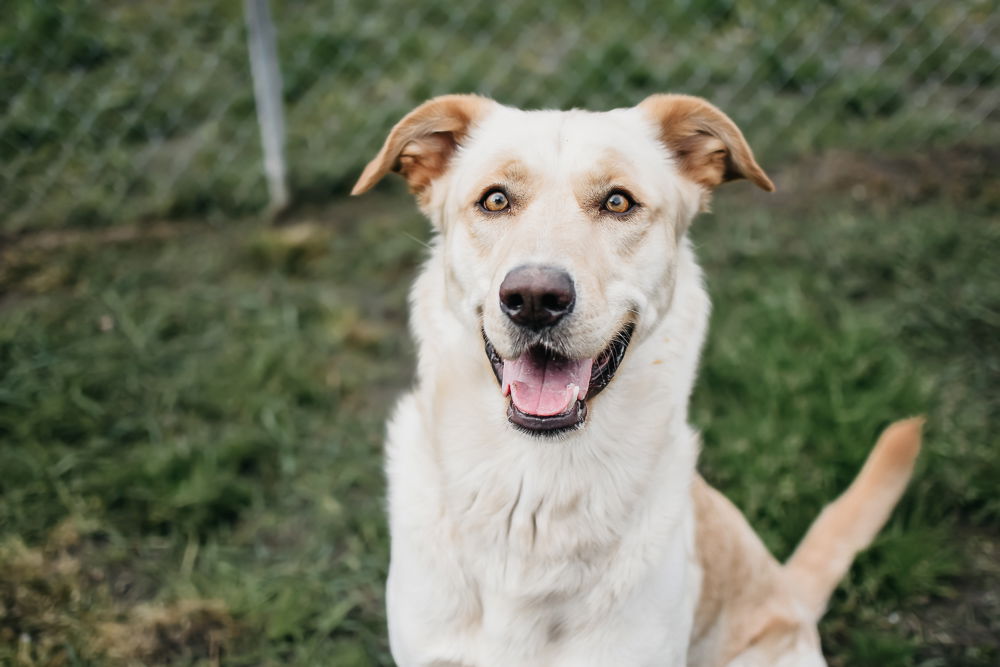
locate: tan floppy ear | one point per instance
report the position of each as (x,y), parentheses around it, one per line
(710,149)
(421,144)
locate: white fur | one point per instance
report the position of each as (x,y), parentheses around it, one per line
(599,546)
(509,549)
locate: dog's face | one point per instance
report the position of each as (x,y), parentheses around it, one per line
(560,230)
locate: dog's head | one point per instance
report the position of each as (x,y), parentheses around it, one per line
(560,230)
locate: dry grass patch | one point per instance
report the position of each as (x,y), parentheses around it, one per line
(57,608)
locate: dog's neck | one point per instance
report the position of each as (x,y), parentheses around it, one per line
(588,491)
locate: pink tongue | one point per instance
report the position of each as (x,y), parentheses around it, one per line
(542,386)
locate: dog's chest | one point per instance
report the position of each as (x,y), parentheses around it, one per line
(520,568)
(489,606)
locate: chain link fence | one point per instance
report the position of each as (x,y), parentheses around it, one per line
(122,110)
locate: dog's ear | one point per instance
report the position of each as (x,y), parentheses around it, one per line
(421,144)
(710,149)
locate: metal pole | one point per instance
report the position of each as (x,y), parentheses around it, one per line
(267,90)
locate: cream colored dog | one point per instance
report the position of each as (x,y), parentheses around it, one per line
(543,500)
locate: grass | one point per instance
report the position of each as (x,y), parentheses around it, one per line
(191,413)
(191,416)
(120,111)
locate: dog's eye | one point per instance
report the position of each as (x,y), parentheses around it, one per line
(618,202)
(495,201)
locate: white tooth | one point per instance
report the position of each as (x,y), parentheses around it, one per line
(574,390)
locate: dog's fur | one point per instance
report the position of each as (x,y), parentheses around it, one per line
(599,545)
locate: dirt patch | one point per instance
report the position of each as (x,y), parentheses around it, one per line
(964,629)
(26,259)
(57,606)
(963,173)
(53,239)
(160,634)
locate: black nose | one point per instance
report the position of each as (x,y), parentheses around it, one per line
(537,296)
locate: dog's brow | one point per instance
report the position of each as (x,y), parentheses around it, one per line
(511,173)
(610,167)
(513,170)
(607,172)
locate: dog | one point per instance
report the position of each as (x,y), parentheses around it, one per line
(544,505)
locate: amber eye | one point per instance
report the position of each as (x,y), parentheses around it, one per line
(618,203)
(495,201)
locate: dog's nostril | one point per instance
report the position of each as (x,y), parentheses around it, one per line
(555,302)
(514,301)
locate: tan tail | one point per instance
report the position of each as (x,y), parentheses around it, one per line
(850,523)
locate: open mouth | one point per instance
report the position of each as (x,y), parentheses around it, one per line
(549,392)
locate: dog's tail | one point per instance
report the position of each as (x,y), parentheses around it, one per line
(850,523)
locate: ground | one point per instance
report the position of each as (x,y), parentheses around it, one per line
(191,414)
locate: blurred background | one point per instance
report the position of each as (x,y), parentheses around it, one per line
(192,392)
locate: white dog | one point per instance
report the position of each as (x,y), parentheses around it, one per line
(544,506)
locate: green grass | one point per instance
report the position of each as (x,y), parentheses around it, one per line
(190,423)
(115,111)
(191,413)
(827,327)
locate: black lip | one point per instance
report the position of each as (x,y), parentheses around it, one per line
(603,371)
(569,420)
(607,363)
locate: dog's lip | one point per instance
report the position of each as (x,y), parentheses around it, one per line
(606,364)
(603,371)
(551,425)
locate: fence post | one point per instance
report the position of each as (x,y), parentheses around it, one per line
(267,88)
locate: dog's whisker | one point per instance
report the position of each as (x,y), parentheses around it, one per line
(420,241)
